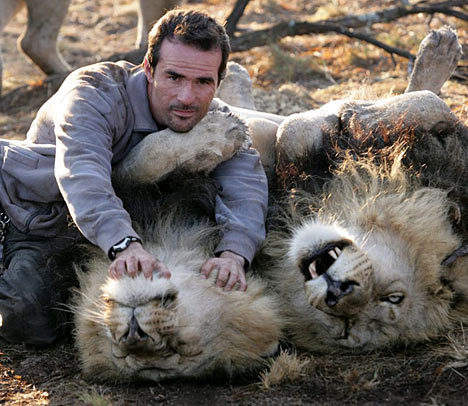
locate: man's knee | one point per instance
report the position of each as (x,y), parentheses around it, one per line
(23,319)
(29,302)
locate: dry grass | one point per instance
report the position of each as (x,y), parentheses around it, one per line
(93,398)
(456,348)
(286,367)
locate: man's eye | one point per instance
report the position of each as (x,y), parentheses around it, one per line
(173,77)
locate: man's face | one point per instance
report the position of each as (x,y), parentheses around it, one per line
(183,84)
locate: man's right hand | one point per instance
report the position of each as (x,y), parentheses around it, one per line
(133,260)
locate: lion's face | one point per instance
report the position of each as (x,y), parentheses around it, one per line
(134,328)
(145,328)
(363,283)
(371,277)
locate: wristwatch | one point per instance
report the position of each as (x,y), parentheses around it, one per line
(121,246)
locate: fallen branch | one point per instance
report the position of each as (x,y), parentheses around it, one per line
(343,25)
(377,43)
(234,17)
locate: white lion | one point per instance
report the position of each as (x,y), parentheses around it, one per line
(374,254)
(39,40)
(130,329)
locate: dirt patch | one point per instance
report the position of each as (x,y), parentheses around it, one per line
(294,75)
(415,375)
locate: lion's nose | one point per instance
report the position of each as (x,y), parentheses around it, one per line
(135,335)
(337,289)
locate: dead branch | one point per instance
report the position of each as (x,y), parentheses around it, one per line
(342,25)
(391,50)
(234,17)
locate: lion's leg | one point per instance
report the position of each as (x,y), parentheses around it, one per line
(302,133)
(263,134)
(216,138)
(39,41)
(436,60)
(148,12)
(236,90)
(236,87)
(8,8)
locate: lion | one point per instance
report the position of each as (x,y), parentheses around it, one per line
(45,18)
(368,230)
(349,261)
(368,249)
(139,329)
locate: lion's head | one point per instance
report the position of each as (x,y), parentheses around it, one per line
(360,260)
(366,269)
(182,327)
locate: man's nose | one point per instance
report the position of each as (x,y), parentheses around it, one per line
(186,93)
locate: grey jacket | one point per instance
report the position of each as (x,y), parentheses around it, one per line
(64,165)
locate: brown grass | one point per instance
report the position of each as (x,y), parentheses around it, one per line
(286,367)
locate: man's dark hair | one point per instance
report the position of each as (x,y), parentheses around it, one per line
(190,27)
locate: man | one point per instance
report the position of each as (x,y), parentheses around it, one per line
(64,169)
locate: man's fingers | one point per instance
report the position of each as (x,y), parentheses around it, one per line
(134,260)
(233,279)
(117,269)
(162,269)
(132,266)
(147,266)
(242,282)
(207,268)
(223,277)
(230,271)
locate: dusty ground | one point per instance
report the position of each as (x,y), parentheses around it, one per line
(297,74)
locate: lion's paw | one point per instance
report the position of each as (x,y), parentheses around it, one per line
(436,60)
(215,139)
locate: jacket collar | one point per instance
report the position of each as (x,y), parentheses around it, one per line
(137,88)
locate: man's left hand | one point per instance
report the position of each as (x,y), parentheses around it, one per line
(230,268)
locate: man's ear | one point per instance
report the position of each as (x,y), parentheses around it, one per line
(148,71)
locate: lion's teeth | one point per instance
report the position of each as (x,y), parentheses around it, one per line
(313,270)
(338,251)
(333,254)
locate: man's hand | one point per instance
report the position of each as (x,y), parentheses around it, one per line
(133,260)
(230,268)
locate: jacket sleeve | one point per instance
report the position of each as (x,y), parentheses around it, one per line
(241,205)
(86,124)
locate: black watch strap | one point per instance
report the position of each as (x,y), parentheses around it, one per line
(121,246)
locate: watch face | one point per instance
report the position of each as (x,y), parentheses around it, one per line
(124,244)
(121,246)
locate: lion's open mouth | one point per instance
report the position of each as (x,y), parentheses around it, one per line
(321,260)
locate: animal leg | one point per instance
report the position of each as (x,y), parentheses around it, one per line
(236,87)
(39,41)
(216,138)
(148,12)
(9,9)
(436,60)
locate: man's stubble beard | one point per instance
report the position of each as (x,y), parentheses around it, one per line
(182,125)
